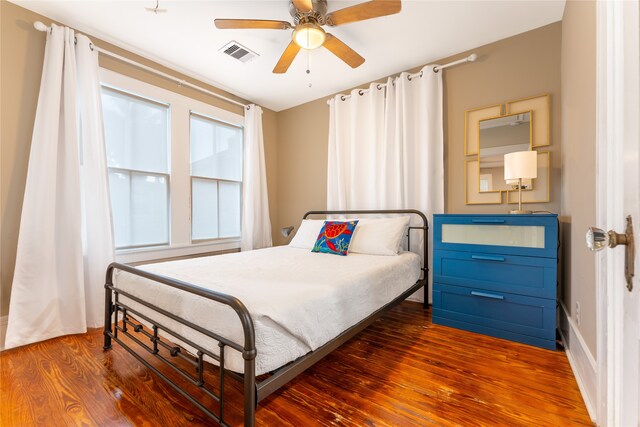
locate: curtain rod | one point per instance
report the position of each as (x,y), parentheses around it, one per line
(41,27)
(470,58)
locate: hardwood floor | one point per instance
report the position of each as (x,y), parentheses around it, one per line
(401,371)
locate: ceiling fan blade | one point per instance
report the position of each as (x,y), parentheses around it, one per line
(342,51)
(287,58)
(225,24)
(303,6)
(362,11)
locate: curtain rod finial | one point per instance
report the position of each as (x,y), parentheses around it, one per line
(39,26)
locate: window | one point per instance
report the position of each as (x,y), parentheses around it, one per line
(136,136)
(486,182)
(175,175)
(216,178)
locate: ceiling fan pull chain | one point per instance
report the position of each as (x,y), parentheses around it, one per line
(309,67)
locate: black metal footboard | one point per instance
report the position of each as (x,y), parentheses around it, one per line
(114,325)
(122,319)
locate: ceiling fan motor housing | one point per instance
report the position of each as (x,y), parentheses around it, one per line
(317,14)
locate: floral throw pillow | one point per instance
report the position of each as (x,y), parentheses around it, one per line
(334,237)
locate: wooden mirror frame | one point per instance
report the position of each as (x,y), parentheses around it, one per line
(540,107)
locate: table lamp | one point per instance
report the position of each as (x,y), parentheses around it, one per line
(286,231)
(518,166)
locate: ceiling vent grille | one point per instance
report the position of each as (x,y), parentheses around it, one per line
(239,52)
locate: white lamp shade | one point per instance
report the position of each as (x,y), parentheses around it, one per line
(521,164)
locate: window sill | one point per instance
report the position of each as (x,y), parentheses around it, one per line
(156,253)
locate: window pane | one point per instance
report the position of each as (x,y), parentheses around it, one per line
(139,204)
(230,194)
(216,149)
(119,187)
(136,132)
(204,209)
(149,216)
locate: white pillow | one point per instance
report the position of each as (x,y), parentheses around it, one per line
(307,233)
(379,236)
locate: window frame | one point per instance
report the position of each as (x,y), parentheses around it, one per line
(216,180)
(179,179)
(130,171)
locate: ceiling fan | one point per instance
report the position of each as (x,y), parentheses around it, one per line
(309,16)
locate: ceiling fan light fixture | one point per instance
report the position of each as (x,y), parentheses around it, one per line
(309,36)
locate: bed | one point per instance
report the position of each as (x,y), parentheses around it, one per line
(286,310)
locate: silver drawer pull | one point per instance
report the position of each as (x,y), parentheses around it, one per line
(487,258)
(484,295)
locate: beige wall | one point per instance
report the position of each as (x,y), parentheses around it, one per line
(22,49)
(303,133)
(578,162)
(518,67)
(521,66)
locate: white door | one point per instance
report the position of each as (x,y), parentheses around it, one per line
(618,196)
(627,411)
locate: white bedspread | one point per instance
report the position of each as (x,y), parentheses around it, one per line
(298,300)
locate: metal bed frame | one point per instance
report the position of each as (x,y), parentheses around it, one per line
(118,322)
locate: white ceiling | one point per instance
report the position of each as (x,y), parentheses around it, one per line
(186,40)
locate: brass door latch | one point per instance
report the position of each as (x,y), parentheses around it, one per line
(598,239)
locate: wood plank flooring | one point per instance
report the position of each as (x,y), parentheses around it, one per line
(401,371)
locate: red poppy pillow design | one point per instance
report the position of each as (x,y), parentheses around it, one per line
(334,237)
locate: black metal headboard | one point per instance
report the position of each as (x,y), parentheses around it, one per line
(424,228)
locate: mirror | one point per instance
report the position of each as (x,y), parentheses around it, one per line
(499,136)
(493,190)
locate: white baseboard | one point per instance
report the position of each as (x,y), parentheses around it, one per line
(582,362)
(3,330)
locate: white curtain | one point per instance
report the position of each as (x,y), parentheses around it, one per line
(386,147)
(65,241)
(356,139)
(256,225)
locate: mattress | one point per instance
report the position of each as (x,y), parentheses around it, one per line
(298,300)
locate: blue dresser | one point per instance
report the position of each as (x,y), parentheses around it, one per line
(497,275)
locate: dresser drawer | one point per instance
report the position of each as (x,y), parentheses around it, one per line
(495,313)
(514,274)
(526,235)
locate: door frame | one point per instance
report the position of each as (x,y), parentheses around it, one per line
(610,211)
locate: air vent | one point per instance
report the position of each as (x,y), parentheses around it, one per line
(239,52)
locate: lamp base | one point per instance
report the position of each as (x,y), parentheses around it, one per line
(520,212)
